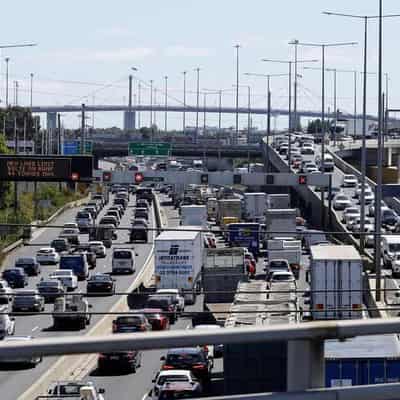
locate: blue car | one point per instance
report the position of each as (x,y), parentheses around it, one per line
(15,277)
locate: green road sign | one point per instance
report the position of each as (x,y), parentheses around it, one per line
(149,149)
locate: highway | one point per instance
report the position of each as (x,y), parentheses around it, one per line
(15,382)
(136,386)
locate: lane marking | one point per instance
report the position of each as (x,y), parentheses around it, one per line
(35,328)
(76,361)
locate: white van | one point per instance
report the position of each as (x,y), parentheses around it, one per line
(390,248)
(329,164)
(123,260)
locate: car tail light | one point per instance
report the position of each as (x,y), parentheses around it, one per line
(319,306)
(102,356)
(167,367)
(356,306)
(190,279)
(142,327)
(114,327)
(199,366)
(158,278)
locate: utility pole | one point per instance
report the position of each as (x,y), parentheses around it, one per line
(139,102)
(31,90)
(184,103)
(15,183)
(166,104)
(237,47)
(83,130)
(7,62)
(197,103)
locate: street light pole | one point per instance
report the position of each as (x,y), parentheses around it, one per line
(7,61)
(377,244)
(166,104)
(295,43)
(139,102)
(197,103)
(184,102)
(237,47)
(31,94)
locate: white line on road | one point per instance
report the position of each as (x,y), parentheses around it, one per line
(145,396)
(35,328)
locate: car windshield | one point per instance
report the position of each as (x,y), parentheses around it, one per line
(69,231)
(394,247)
(121,254)
(349,177)
(281,277)
(83,215)
(185,358)
(131,320)
(100,278)
(174,378)
(278,264)
(352,211)
(45,251)
(70,389)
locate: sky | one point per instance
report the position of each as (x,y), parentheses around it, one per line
(85,51)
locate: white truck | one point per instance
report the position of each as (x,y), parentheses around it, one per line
(178,261)
(280,222)
(229,208)
(212,208)
(336,282)
(278,201)
(255,206)
(194,215)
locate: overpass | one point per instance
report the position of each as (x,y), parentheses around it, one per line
(130,112)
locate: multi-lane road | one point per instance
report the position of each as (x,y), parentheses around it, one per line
(14,383)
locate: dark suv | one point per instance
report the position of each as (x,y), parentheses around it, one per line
(29,265)
(15,277)
(194,359)
(165,303)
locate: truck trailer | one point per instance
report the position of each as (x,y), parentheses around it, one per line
(336,282)
(178,261)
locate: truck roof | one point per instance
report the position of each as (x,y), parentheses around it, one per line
(374,346)
(186,233)
(334,252)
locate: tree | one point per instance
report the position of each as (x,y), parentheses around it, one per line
(4,186)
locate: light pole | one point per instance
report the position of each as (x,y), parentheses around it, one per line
(295,42)
(7,61)
(151,104)
(31,94)
(139,102)
(184,103)
(166,104)
(237,47)
(378,217)
(219,93)
(268,76)
(197,102)
(323,47)
(248,110)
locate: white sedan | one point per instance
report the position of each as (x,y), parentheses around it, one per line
(350,213)
(47,255)
(66,277)
(98,247)
(349,181)
(341,201)
(175,375)
(368,197)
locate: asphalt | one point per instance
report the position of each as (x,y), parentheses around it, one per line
(14,382)
(136,386)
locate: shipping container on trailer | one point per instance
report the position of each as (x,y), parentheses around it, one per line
(363,360)
(194,215)
(336,282)
(278,201)
(245,234)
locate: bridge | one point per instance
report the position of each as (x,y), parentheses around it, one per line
(130,111)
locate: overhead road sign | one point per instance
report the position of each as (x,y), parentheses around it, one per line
(46,168)
(73,147)
(149,149)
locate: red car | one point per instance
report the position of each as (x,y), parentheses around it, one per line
(156,318)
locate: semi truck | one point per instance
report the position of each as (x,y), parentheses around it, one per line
(245,234)
(223,269)
(194,215)
(336,282)
(178,261)
(255,206)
